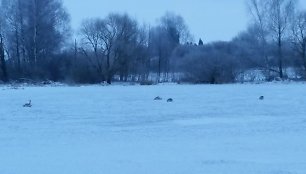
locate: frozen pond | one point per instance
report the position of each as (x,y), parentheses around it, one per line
(122,130)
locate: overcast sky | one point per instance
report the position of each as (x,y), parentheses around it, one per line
(210,20)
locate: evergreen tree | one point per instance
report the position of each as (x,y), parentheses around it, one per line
(200,42)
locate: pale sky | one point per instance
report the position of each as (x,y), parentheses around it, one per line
(210,20)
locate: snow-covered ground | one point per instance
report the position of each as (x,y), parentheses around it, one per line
(121,130)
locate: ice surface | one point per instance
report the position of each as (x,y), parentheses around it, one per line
(208,129)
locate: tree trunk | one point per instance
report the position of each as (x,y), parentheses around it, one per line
(75,50)
(280,56)
(304,54)
(2,61)
(17,51)
(109,80)
(159,67)
(126,75)
(35,26)
(121,75)
(108,75)
(24,60)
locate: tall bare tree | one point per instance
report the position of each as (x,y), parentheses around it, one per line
(258,10)
(113,41)
(164,38)
(3,70)
(14,13)
(48,27)
(126,43)
(176,28)
(280,12)
(36,31)
(273,18)
(92,42)
(299,35)
(3,73)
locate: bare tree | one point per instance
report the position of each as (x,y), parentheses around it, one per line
(4,75)
(126,44)
(48,27)
(14,13)
(258,10)
(176,28)
(165,38)
(36,30)
(91,31)
(157,47)
(142,62)
(273,19)
(299,35)
(3,70)
(113,41)
(177,33)
(280,13)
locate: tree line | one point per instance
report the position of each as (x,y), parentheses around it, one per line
(36,43)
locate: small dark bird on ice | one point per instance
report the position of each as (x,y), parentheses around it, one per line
(28,105)
(158,98)
(261,98)
(170,100)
